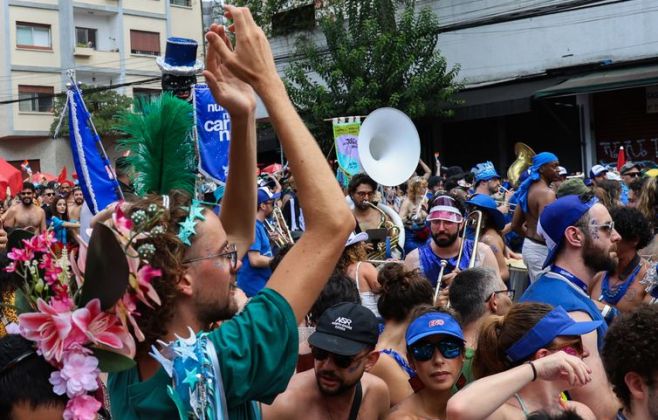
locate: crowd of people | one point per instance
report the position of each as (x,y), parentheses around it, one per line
(311,301)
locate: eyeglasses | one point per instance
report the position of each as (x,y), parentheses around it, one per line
(510,294)
(632,174)
(49,194)
(26,192)
(339,360)
(230,253)
(362,194)
(448,348)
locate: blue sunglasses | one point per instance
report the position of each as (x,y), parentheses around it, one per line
(448,348)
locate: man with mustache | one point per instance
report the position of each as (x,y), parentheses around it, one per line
(362,190)
(338,386)
(446,221)
(26,215)
(582,240)
(76,207)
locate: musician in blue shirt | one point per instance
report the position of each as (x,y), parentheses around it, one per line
(446,221)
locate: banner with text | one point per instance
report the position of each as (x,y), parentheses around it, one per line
(213,134)
(346,135)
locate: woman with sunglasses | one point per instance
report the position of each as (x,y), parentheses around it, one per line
(529,357)
(435,350)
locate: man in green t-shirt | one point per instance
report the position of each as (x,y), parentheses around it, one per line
(257,349)
(475,294)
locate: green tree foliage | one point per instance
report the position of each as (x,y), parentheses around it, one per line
(103,105)
(375,55)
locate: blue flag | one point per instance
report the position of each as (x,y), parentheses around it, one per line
(97,180)
(213,132)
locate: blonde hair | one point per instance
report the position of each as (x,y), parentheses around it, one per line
(415,187)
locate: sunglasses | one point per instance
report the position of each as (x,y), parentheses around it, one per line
(230,253)
(574,348)
(49,194)
(632,174)
(605,227)
(449,349)
(339,360)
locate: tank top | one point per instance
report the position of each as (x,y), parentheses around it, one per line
(368,299)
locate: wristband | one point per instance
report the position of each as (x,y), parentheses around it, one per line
(534,371)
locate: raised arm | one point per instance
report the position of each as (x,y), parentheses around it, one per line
(238,213)
(476,401)
(306,268)
(427,171)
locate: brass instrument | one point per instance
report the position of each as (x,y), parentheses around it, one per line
(524,155)
(278,230)
(473,217)
(379,253)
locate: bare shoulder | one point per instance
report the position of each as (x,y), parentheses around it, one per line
(291,402)
(411,260)
(373,384)
(582,410)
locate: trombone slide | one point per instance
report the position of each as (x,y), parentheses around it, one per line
(437,289)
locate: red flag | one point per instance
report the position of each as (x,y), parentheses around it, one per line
(621,158)
(62,175)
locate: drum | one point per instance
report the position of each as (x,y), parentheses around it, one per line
(519,280)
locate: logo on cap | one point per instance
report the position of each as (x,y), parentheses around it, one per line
(342,323)
(436,322)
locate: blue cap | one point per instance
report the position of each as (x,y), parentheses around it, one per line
(433,323)
(553,324)
(557,217)
(264,194)
(180,57)
(488,204)
(484,172)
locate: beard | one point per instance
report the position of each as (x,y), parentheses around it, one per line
(27,201)
(596,258)
(361,205)
(343,386)
(444,242)
(79,201)
(209,310)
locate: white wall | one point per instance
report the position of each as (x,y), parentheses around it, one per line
(615,32)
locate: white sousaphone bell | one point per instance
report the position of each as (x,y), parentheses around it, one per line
(388,146)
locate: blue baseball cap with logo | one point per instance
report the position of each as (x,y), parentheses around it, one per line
(557,217)
(553,324)
(484,171)
(433,323)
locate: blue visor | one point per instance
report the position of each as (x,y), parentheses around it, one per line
(556,323)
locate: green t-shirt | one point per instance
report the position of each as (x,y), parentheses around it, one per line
(257,352)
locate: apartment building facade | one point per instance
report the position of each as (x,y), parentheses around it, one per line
(105,43)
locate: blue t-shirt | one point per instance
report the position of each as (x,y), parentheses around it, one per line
(252,279)
(555,290)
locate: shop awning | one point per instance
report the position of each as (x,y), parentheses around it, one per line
(602,81)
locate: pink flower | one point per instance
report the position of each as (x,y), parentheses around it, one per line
(51,268)
(82,407)
(144,277)
(121,222)
(103,328)
(18,254)
(11,267)
(52,329)
(78,375)
(126,310)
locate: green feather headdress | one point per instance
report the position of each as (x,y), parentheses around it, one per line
(161,145)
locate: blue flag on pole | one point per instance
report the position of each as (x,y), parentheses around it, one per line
(97,180)
(212,125)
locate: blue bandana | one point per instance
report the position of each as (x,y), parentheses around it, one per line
(537,162)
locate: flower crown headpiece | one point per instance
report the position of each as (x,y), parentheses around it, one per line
(188,227)
(80,314)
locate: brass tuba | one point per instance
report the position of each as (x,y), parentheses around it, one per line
(524,155)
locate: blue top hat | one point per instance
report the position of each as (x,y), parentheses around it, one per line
(180,57)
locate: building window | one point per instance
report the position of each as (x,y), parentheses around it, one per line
(35,98)
(186,3)
(301,18)
(85,37)
(143,42)
(33,35)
